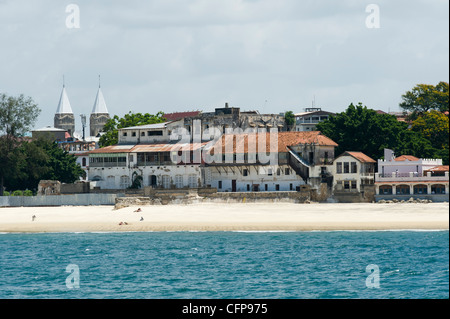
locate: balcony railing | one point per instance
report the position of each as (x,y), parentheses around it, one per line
(409,177)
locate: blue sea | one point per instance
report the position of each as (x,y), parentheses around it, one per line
(223,265)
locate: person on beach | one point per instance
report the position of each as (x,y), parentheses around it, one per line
(138,210)
(142,219)
(33,218)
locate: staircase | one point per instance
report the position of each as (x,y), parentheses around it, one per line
(299,165)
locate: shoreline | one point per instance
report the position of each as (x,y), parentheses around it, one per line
(237,217)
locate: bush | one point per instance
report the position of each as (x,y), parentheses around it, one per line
(5,193)
(28,193)
(17,193)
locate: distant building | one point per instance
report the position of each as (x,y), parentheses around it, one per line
(408,176)
(64,117)
(354,172)
(53,133)
(307,121)
(99,115)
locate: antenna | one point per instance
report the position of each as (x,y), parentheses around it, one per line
(99,80)
(64,84)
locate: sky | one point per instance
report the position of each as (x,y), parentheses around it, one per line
(185,55)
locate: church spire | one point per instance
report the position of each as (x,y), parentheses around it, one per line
(99,104)
(64,103)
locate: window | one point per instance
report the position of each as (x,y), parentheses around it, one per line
(420,189)
(142,133)
(277,187)
(385,190)
(179,181)
(338,168)
(166,181)
(245,172)
(265,187)
(402,190)
(270,172)
(287,171)
(193,182)
(248,187)
(124,134)
(346,168)
(437,189)
(220,185)
(346,185)
(291,187)
(124,181)
(154,133)
(353,184)
(133,133)
(353,167)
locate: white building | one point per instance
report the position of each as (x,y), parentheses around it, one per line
(307,121)
(353,171)
(243,166)
(408,176)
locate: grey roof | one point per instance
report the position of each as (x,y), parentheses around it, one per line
(49,129)
(147,126)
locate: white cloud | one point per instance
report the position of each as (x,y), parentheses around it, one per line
(177,55)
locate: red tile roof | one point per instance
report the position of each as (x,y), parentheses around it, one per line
(230,142)
(406,158)
(440,168)
(150,148)
(363,158)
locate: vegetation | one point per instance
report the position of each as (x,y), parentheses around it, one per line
(17,116)
(42,159)
(289,118)
(111,137)
(425,97)
(363,129)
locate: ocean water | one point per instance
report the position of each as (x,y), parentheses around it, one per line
(222,265)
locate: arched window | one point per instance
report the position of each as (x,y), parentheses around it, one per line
(385,190)
(437,189)
(83,162)
(420,189)
(403,190)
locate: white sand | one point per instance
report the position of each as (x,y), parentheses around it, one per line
(223,217)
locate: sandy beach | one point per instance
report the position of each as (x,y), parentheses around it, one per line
(227,217)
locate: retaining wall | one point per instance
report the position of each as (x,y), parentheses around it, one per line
(58,200)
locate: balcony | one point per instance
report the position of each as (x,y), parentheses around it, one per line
(409,177)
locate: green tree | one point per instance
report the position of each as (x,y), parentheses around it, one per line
(434,126)
(289,118)
(111,137)
(43,159)
(425,97)
(17,116)
(362,129)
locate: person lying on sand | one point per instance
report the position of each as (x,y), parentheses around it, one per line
(138,210)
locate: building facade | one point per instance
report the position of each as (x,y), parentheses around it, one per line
(407,176)
(307,121)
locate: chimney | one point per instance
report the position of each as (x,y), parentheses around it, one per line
(226,105)
(388,155)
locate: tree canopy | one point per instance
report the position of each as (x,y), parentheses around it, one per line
(43,159)
(110,135)
(17,116)
(289,118)
(361,129)
(426,97)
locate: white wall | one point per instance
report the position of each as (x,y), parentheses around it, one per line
(257,174)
